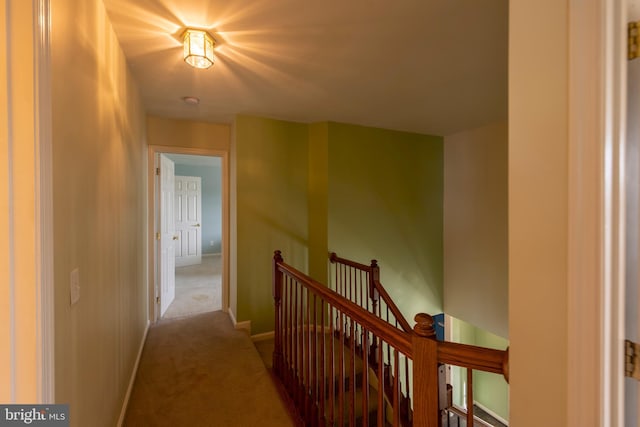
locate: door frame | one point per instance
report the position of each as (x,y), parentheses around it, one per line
(153,150)
(596,254)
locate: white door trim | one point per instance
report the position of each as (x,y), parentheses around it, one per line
(44,203)
(27,285)
(597,98)
(154,312)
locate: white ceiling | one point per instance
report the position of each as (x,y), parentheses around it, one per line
(428,66)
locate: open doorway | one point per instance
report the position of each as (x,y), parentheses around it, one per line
(197,215)
(189,216)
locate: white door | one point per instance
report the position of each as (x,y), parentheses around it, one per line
(188,211)
(168,235)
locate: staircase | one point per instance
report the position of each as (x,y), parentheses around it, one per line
(347,356)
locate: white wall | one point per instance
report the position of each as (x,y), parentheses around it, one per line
(475,227)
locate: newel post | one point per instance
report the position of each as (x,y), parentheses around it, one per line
(426,411)
(374,275)
(277,299)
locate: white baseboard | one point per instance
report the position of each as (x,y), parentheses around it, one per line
(232,316)
(490,412)
(132,380)
(245,325)
(262,337)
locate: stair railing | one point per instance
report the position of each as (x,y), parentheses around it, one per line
(322,356)
(360,284)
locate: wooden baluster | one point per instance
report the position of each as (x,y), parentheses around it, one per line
(323,358)
(287,320)
(425,373)
(296,345)
(303,348)
(396,387)
(365,378)
(469,397)
(277,299)
(307,354)
(406,386)
(291,358)
(374,275)
(341,373)
(381,417)
(332,371)
(314,355)
(352,377)
(349,280)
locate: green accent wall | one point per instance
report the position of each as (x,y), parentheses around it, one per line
(385,202)
(318,200)
(490,390)
(362,192)
(271,210)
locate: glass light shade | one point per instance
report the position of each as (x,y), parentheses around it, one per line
(198,48)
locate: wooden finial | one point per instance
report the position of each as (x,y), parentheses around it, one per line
(277,256)
(374,263)
(424,325)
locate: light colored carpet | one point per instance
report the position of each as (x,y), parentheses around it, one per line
(198,289)
(200,371)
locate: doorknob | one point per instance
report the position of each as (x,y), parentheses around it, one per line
(175,237)
(197,225)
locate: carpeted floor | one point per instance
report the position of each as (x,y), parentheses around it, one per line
(200,371)
(198,289)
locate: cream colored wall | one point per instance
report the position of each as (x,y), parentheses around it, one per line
(18,250)
(475,227)
(99,175)
(188,133)
(538,200)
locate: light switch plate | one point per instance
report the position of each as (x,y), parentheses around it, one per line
(74,286)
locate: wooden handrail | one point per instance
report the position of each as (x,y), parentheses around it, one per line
(306,310)
(397,338)
(334,258)
(392,306)
(374,272)
(471,356)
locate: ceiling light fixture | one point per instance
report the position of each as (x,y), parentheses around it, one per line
(198,48)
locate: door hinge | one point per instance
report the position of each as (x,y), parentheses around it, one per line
(157,236)
(158,171)
(157,300)
(631,359)
(633,36)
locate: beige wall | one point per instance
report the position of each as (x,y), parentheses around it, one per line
(188,133)
(19,364)
(99,168)
(538,200)
(475,227)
